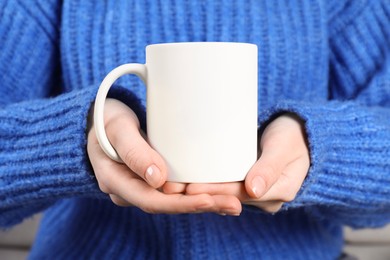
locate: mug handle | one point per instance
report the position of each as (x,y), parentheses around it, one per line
(98,116)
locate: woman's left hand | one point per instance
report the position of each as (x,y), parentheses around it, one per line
(278,174)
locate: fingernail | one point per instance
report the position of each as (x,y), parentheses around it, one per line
(153,175)
(258,186)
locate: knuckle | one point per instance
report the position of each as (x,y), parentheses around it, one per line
(289,190)
(104,188)
(131,158)
(268,175)
(205,202)
(114,199)
(104,179)
(117,201)
(288,197)
(274,208)
(111,128)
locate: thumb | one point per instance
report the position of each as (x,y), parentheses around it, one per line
(279,147)
(127,138)
(264,173)
(139,156)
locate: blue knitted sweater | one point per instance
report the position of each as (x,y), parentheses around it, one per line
(325,60)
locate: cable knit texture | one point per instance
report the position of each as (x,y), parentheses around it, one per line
(326,61)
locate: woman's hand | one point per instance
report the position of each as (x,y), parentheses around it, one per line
(278,174)
(137,182)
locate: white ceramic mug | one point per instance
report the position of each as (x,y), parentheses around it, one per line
(201,108)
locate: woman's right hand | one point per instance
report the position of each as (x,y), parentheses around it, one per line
(137,182)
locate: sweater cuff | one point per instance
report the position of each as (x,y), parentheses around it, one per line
(44,156)
(348,169)
(44,149)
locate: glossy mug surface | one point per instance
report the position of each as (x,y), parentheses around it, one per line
(201,108)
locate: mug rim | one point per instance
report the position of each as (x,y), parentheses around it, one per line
(191,44)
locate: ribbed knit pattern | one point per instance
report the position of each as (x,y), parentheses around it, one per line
(50,131)
(117,32)
(327,61)
(119,233)
(348,179)
(359,48)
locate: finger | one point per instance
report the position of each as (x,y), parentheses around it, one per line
(290,181)
(264,173)
(124,134)
(135,191)
(102,165)
(174,187)
(267,206)
(282,142)
(140,194)
(236,189)
(276,152)
(127,188)
(227,196)
(107,172)
(119,201)
(227,205)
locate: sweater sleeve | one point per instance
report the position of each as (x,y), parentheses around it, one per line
(43,154)
(349,135)
(349,177)
(42,138)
